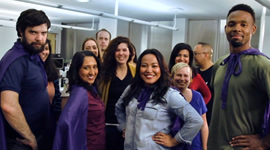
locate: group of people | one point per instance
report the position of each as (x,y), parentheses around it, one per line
(117,102)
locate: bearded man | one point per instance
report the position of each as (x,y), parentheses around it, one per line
(24,113)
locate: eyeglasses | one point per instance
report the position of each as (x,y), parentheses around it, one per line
(195,53)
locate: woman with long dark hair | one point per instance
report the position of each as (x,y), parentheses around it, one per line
(116,75)
(82,123)
(147,109)
(53,79)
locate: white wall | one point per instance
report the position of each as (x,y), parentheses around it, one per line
(138,35)
(161,39)
(266,42)
(180,35)
(203,31)
(9,36)
(7,39)
(123,28)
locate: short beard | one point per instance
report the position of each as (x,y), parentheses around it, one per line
(236,44)
(30,48)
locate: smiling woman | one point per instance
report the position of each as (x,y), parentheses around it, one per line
(82,123)
(148,106)
(117,74)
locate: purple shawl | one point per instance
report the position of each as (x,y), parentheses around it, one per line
(233,61)
(144,97)
(15,52)
(71,127)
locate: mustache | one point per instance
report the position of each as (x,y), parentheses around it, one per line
(36,43)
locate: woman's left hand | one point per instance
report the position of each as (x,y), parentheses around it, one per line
(165,139)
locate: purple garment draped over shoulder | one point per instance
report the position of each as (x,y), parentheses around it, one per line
(234,61)
(144,97)
(71,127)
(15,52)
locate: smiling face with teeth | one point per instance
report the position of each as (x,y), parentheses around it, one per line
(149,70)
(89,70)
(122,54)
(45,53)
(239,29)
(182,77)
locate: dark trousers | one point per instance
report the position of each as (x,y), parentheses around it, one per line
(114,139)
(13,144)
(43,144)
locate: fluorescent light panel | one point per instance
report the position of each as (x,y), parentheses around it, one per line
(96,13)
(147,4)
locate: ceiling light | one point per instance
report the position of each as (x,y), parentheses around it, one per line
(97,13)
(81,1)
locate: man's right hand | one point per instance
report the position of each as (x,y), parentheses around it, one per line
(32,142)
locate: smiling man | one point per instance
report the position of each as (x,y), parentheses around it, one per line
(23,86)
(241,88)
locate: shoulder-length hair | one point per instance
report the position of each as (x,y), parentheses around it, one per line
(160,87)
(109,61)
(73,72)
(177,48)
(50,68)
(92,39)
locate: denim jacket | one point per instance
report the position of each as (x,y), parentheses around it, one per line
(142,125)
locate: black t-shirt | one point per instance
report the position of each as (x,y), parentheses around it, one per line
(24,77)
(117,87)
(206,75)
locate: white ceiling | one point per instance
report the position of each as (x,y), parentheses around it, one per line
(147,10)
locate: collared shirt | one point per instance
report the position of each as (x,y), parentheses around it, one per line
(142,125)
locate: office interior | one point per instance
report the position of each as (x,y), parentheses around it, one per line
(162,34)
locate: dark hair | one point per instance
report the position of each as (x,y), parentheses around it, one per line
(92,39)
(160,87)
(134,49)
(103,30)
(109,61)
(73,72)
(243,7)
(177,48)
(31,18)
(50,68)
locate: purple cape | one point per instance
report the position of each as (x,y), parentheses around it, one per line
(233,61)
(15,52)
(71,127)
